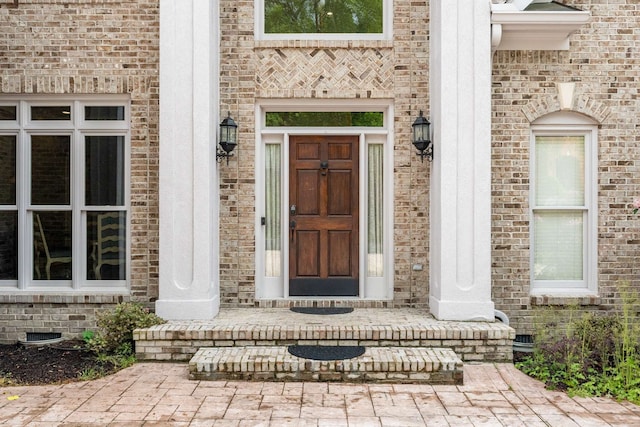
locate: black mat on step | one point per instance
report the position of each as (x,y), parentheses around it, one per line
(322,310)
(326,352)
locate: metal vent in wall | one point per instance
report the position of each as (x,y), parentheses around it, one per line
(43,336)
(523,343)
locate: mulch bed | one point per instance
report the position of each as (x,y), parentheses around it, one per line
(49,364)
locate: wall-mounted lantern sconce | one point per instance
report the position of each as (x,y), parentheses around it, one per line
(228,139)
(422,137)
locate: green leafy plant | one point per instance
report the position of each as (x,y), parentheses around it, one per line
(115,329)
(90,374)
(595,355)
(88,335)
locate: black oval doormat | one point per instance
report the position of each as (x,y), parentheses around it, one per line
(326,352)
(322,310)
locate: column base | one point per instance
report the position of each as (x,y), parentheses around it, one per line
(188,309)
(461,310)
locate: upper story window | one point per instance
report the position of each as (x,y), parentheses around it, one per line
(564,205)
(64,185)
(323,19)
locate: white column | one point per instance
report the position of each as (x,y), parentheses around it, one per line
(460,206)
(189,286)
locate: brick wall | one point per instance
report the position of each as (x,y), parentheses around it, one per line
(396,70)
(89,47)
(604,63)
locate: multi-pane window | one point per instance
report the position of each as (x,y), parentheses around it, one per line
(323,18)
(562,199)
(63,193)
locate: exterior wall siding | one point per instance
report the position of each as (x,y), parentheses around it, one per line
(89,47)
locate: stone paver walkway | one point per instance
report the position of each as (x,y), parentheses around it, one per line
(154,394)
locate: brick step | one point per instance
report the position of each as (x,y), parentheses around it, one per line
(471,341)
(377,364)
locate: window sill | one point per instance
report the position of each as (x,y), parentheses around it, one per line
(61,297)
(565,300)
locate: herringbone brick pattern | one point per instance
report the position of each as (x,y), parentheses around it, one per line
(324,69)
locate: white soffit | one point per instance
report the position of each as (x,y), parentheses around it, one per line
(534,24)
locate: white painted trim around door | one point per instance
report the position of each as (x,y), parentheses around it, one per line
(371,288)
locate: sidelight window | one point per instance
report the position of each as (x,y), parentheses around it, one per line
(273,208)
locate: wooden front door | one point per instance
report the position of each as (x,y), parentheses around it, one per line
(323,216)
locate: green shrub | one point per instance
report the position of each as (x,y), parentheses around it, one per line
(115,329)
(596,355)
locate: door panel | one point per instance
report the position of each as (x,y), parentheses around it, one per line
(308,262)
(323,218)
(308,194)
(339,192)
(308,151)
(340,151)
(339,264)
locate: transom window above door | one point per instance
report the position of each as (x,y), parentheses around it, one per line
(324,119)
(323,19)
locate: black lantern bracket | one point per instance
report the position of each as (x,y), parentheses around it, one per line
(422,137)
(228,139)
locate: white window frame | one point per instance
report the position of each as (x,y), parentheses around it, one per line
(387,28)
(569,124)
(370,288)
(76,128)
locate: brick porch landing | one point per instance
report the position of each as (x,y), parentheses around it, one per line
(402,345)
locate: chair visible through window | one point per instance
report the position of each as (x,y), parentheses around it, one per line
(109,247)
(53,256)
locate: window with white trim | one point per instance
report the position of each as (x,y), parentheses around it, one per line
(563,205)
(64,185)
(323,19)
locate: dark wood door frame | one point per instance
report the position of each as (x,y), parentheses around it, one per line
(323,215)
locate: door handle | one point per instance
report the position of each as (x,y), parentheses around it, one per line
(292,226)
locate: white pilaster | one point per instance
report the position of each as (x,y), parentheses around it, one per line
(189,286)
(460,206)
